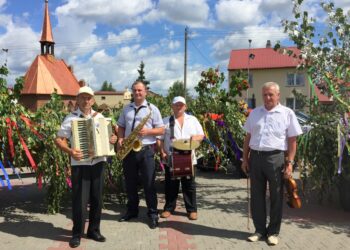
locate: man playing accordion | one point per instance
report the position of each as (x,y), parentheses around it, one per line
(187,129)
(87,174)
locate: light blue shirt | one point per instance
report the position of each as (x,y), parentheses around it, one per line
(270,129)
(128,114)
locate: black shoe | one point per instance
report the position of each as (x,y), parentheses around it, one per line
(153,223)
(74,241)
(96,236)
(128,216)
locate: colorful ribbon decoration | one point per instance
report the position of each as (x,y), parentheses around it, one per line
(2,182)
(6,176)
(27,152)
(30,125)
(6,159)
(9,138)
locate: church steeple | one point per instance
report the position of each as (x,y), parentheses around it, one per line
(46,41)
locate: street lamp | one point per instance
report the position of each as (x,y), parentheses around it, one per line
(250,41)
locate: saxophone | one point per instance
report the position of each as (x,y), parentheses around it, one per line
(132,142)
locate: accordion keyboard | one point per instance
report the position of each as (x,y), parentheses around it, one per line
(91,137)
(82,137)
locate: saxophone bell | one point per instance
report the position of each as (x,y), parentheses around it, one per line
(137,145)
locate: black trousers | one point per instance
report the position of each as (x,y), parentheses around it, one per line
(172,190)
(143,162)
(266,168)
(87,186)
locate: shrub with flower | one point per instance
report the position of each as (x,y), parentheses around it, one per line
(222,117)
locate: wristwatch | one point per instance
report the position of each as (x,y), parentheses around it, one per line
(290,162)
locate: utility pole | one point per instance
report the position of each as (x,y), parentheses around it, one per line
(185,59)
(250,41)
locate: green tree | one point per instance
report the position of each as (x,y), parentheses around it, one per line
(107,86)
(178,89)
(142,76)
(104,86)
(110,87)
(325,55)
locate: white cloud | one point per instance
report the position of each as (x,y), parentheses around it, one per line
(125,36)
(2,3)
(21,42)
(100,57)
(106,11)
(344,4)
(194,13)
(238,13)
(259,36)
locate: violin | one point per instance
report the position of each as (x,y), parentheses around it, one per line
(294,200)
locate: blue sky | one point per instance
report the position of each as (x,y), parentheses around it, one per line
(106,40)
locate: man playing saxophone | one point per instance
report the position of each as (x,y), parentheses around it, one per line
(139,121)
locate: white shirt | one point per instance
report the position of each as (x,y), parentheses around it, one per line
(66,132)
(270,130)
(190,127)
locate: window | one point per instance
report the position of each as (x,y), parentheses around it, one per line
(293,104)
(295,79)
(252,102)
(103,98)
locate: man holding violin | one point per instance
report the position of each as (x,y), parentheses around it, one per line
(268,157)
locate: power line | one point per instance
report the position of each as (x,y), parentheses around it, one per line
(119,41)
(199,51)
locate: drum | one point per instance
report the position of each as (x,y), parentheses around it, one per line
(182,164)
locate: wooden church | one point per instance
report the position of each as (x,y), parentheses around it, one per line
(48,73)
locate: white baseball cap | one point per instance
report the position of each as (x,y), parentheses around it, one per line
(179,99)
(86,90)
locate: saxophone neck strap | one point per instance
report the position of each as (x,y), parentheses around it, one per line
(136,111)
(172,125)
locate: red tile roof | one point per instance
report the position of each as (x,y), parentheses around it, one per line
(264,58)
(48,73)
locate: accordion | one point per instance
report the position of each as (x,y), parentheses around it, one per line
(91,137)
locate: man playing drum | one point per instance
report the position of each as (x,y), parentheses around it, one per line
(185,128)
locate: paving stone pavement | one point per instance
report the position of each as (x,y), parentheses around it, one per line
(222,222)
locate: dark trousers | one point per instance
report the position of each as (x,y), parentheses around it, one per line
(143,162)
(266,168)
(87,186)
(172,186)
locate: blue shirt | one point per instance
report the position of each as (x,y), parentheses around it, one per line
(128,115)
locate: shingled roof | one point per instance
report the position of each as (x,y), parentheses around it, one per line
(47,74)
(264,58)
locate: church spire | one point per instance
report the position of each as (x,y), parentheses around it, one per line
(46,41)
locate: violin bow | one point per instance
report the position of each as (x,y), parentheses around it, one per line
(248,202)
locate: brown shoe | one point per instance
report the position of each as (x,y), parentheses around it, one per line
(192,216)
(165,214)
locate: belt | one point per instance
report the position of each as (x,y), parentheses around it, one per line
(147,147)
(273,152)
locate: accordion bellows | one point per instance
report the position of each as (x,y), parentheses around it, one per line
(91,137)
